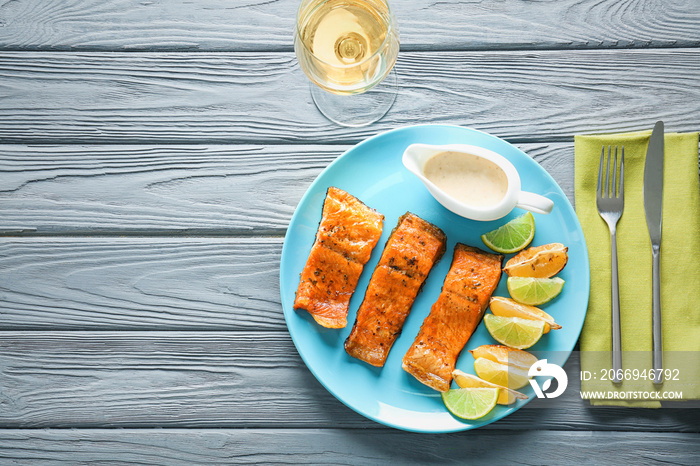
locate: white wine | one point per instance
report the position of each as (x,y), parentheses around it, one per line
(346,46)
(343,32)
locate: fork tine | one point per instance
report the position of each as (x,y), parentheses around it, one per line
(600,171)
(621,189)
(613,184)
(607,175)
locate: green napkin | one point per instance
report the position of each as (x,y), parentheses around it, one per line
(680,268)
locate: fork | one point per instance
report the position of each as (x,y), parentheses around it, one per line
(610,205)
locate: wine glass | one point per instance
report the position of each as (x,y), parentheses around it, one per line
(348,49)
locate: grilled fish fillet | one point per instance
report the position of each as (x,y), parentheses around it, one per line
(346,235)
(411,251)
(468,286)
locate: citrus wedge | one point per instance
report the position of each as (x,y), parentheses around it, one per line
(470,403)
(504,355)
(513,236)
(506,396)
(534,291)
(539,261)
(505,307)
(501,374)
(514,331)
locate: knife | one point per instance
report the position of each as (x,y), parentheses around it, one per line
(653,200)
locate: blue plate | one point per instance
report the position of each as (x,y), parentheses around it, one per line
(372,171)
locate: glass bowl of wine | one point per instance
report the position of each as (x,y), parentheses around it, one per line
(348,49)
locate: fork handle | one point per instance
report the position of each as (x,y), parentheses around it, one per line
(656,316)
(616,334)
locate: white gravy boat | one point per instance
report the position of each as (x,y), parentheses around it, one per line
(416,155)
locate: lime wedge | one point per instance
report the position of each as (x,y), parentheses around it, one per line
(470,403)
(513,236)
(514,331)
(501,374)
(534,291)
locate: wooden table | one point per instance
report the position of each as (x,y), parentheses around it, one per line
(152,154)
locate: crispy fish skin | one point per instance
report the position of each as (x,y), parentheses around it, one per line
(326,286)
(414,246)
(411,251)
(346,235)
(348,226)
(472,279)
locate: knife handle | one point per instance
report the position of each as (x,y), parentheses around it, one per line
(656,316)
(616,333)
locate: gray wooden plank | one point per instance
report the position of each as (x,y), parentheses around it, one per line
(210,379)
(255,25)
(335,446)
(263,97)
(144,283)
(196,189)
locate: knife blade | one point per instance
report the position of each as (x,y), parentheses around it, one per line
(653,203)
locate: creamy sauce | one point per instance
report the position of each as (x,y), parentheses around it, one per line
(468,178)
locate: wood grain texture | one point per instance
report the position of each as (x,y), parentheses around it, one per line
(224,380)
(342,447)
(197,189)
(256,25)
(176,189)
(145,283)
(263,98)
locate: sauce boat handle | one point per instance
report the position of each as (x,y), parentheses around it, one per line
(534,203)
